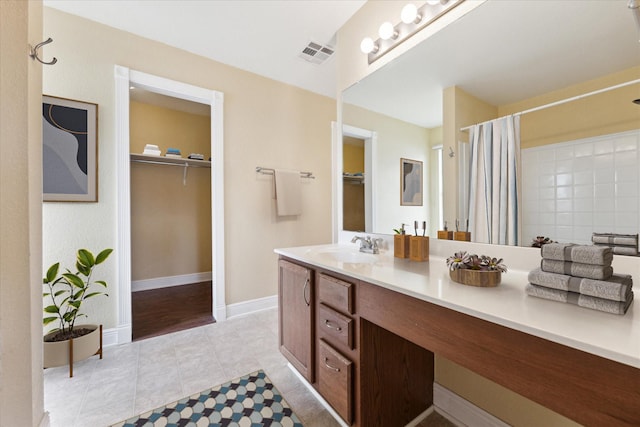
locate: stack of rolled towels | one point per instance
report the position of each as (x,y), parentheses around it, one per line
(581,275)
(621,244)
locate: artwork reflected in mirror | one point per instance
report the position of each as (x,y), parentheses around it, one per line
(410,182)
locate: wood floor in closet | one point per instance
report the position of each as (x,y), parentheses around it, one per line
(162,311)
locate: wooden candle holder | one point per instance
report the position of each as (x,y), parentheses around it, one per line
(401,246)
(463,236)
(445,235)
(419,248)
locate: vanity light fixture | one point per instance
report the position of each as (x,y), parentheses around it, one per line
(387,31)
(410,15)
(369,46)
(413,19)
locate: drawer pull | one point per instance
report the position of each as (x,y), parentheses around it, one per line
(304,292)
(329,366)
(330,326)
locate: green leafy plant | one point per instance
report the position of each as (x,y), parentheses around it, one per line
(69,290)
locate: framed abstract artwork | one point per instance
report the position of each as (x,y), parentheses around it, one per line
(410,182)
(69,150)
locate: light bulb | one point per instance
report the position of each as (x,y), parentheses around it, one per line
(367,45)
(433,2)
(387,31)
(409,14)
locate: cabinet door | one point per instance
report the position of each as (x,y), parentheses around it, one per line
(295,300)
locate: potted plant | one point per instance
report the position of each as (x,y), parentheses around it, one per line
(475,270)
(70,341)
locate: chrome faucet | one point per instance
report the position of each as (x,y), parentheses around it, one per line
(367,244)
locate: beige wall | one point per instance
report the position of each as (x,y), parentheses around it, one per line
(352,156)
(602,114)
(164,127)
(510,407)
(266,123)
(21,379)
(170,222)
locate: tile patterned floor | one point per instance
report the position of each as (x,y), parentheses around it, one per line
(138,377)
(246,401)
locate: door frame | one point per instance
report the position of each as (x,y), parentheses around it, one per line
(370,161)
(124,78)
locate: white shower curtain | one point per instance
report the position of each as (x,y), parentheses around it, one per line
(494,199)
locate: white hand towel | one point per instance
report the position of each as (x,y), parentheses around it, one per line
(288,192)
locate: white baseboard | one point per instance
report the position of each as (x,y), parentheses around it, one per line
(421,417)
(220,313)
(251,306)
(461,412)
(115,336)
(456,409)
(168,281)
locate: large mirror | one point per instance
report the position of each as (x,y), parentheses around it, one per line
(502,58)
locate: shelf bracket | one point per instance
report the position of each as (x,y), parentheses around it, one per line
(184,174)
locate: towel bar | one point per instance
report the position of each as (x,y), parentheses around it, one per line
(269,171)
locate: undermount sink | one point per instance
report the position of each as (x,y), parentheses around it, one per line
(348,255)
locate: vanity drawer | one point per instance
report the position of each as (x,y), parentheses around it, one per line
(335,327)
(335,381)
(336,293)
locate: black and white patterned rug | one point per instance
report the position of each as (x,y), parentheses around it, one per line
(251,401)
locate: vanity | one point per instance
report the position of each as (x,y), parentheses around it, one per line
(363,330)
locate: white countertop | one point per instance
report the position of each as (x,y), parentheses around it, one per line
(607,335)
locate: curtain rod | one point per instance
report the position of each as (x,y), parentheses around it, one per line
(562,101)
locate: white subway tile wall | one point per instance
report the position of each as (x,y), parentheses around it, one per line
(572,189)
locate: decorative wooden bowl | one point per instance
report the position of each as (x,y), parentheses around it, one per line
(481,278)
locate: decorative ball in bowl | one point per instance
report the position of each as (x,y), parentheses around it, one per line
(475,270)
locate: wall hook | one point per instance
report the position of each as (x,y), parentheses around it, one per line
(33,52)
(451,153)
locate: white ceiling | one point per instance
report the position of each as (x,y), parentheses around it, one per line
(263,37)
(504,52)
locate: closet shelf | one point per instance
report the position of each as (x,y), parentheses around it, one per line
(351,179)
(169,161)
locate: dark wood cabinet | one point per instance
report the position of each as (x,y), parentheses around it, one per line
(296,305)
(321,335)
(369,351)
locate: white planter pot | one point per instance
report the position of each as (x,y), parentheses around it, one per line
(57,353)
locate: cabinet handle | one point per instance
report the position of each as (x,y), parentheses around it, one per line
(330,326)
(329,366)
(304,292)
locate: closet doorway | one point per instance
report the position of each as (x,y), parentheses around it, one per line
(185,256)
(171,287)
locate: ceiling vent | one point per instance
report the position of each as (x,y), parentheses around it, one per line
(316,53)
